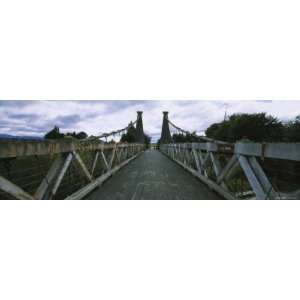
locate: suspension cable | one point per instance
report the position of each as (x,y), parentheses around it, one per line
(204,138)
(112,133)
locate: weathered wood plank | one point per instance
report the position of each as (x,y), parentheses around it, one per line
(206,161)
(113,156)
(255,184)
(216,164)
(196,158)
(45,186)
(10,148)
(288,151)
(200,154)
(225,174)
(119,155)
(209,146)
(62,174)
(263,179)
(14,190)
(83,166)
(104,160)
(217,168)
(95,162)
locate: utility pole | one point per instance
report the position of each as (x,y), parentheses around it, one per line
(225,114)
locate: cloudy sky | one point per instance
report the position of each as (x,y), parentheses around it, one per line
(94,117)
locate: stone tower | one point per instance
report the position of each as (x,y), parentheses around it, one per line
(140,138)
(165,131)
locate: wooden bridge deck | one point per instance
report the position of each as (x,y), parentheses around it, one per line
(152,176)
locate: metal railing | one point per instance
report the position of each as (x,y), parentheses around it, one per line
(64,169)
(239,170)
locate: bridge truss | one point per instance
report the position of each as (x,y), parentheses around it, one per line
(222,165)
(63,169)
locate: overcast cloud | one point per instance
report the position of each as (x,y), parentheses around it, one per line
(94,117)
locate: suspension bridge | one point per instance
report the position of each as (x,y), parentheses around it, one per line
(94,168)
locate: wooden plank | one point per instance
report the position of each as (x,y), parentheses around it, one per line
(196,158)
(123,154)
(185,157)
(104,160)
(11,148)
(62,174)
(95,162)
(14,190)
(179,154)
(206,161)
(255,185)
(126,153)
(45,186)
(189,156)
(263,179)
(225,173)
(287,151)
(211,146)
(119,155)
(216,164)
(202,162)
(176,149)
(217,168)
(83,166)
(112,156)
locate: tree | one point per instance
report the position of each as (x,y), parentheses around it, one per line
(186,138)
(257,127)
(293,130)
(130,135)
(81,135)
(54,134)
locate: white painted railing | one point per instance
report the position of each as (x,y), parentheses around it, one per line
(59,170)
(216,164)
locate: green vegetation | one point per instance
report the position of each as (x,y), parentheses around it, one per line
(186,138)
(258,127)
(255,127)
(55,134)
(293,130)
(130,136)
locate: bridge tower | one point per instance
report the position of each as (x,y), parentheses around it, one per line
(140,138)
(165,131)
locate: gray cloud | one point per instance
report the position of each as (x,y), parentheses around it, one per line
(29,117)
(38,117)
(66,121)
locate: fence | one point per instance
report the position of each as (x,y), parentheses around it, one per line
(59,170)
(242,170)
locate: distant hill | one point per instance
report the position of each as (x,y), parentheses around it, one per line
(21,137)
